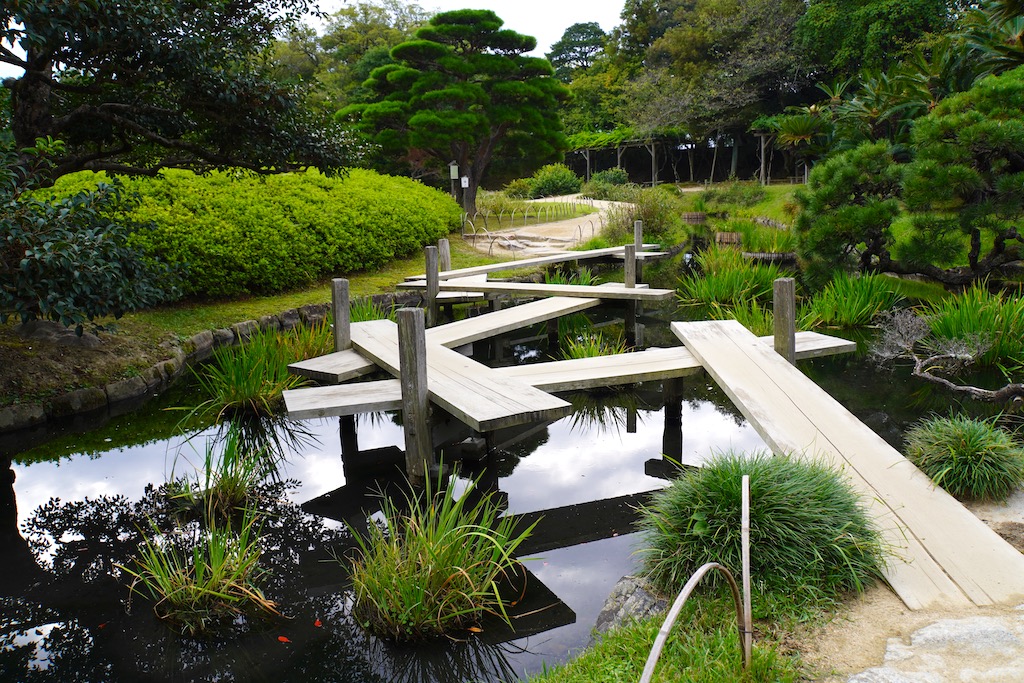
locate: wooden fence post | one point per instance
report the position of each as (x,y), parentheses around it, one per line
(412,353)
(444,254)
(432,285)
(638,244)
(629,276)
(342,316)
(784,306)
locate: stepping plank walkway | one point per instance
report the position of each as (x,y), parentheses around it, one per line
(476,394)
(565,375)
(529,289)
(610,252)
(342,366)
(942,555)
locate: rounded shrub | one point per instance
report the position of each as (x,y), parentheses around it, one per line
(971,459)
(554,180)
(237,235)
(518,189)
(809,534)
(611,176)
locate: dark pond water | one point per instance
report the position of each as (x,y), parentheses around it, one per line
(63,618)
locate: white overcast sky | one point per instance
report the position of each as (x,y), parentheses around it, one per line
(545,20)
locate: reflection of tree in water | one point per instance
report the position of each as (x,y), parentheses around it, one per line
(701,390)
(63,613)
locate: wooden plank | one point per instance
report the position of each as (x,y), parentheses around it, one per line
(343,399)
(530,262)
(941,553)
(474,393)
(565,375)
(335,368)
(534,289)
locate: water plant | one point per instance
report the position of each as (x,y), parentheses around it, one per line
(971,459)
(582,276)
(205,579)
(591,345)
(436,564)
(250,378)
(809,532)
(364,308)
(979,314)
(850,301)
(756,317)
(727,278)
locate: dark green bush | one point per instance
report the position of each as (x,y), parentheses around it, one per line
(554,180)
(810,537)
(518,188)
(250,235)
(611,176)
(660,212)
(971,459)
(609,191)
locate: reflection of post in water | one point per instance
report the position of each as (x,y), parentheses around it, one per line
(668,466)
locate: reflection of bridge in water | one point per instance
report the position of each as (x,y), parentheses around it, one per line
(493,408)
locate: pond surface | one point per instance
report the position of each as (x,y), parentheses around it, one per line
(63,618)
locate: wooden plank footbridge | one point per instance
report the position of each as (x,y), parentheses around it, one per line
(941,554)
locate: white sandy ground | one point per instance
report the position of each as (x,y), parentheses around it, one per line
(878,640)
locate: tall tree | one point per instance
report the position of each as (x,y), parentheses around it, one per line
(576,49)
(134,86)
(845,36)
(464,91)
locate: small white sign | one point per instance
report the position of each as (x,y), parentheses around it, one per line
(465,181)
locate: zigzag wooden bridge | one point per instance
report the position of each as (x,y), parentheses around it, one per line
(942,555)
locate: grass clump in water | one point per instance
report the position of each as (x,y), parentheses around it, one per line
(435,565)
(203,580)
(250,378)
(810,538)
(979,314)
(592,345)
(971,459)
(728,279)
(851,301)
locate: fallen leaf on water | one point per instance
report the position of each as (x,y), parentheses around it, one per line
(284,639)
(475,629)
(318,623)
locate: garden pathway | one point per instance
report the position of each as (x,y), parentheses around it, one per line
(546,238)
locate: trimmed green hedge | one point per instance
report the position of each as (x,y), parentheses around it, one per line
(238,235)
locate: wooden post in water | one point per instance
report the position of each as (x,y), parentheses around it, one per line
(638,245)
(444,254)
(342,316)
(629,276)
(784,298)
(433,287)
(412,353)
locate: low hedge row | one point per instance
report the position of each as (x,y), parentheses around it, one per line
(238,234)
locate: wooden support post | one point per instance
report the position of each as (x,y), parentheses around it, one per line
(342,316)
(629,276)
(444,254)
(349,438)
(784,291)
(412,352)
(433,286)
(638,245)
(554,343)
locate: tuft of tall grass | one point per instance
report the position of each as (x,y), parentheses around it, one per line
(758,318)
(583,276)
(760,238)
(979,314)
(435,566)
(205,581)
(851,301)
(364,308)
(591,345)
(971,459)
(251,378)
(727,278)
(811,538)
(230,471)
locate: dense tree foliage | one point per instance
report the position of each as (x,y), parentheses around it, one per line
(69,259)
(576,49)
(464,91)
(134,86)
(845,36)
